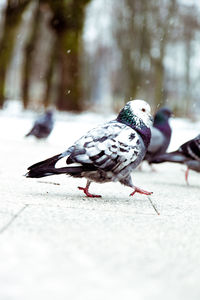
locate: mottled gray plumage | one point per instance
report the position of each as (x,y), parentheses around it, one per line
(106,153)
(187,154)
(43,126)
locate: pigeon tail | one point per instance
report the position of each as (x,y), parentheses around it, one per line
(29,133)
(175,157)
(47,168)
(48,171)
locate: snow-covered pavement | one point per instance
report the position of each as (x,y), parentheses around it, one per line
(57,244)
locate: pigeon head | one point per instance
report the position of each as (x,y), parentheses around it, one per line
(49,113)
(162,116)
(136,114)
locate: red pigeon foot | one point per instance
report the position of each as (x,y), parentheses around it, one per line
(140,191)
(85,190)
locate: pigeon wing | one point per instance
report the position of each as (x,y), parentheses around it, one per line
(111,147)
(192,148)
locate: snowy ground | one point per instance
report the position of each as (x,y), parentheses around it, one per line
(57,244)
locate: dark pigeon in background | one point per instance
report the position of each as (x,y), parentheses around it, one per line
(160,134)
(42,126)
(106,153)
(187,154)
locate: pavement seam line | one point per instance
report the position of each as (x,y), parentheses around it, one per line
(14,217)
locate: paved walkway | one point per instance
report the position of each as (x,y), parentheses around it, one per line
(57,244)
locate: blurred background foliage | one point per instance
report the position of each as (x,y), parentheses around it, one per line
(96,54)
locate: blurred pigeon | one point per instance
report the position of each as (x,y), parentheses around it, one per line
(187,154)
(160,134)
(106,153)
(42,126)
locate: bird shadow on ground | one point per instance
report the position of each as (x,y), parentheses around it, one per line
(57,195)
(75,194)
(73,200)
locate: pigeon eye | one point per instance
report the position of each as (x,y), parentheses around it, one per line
(143,109)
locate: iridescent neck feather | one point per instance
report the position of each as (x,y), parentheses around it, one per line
(127,116)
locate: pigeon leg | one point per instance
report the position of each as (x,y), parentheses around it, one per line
(152,168)
(140,191)
(86,190)
(186,175)
(128,182)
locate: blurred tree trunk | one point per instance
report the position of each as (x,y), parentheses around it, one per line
(190,19)
(188,55)
(159,62)
(49,75)
(159,78)
(28,55)
(13,15)
(141,38)
(69,89)
(68,21)
(133,39)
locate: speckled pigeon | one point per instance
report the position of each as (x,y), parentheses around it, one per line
(187,154)
(160,134)
(106,153)
(42,126)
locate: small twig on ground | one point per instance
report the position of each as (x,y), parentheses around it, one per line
(49,182)
(5,227)
(153,205)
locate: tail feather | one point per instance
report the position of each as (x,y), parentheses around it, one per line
(41,172)
(49,162)
(47,168)
(176,157)
(33,131)
(28,134)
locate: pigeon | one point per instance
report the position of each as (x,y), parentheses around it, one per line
(42,126)
(187,154)
(160,134)
(107,153)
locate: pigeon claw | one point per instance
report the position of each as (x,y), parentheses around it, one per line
(140,191)
(85,190)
